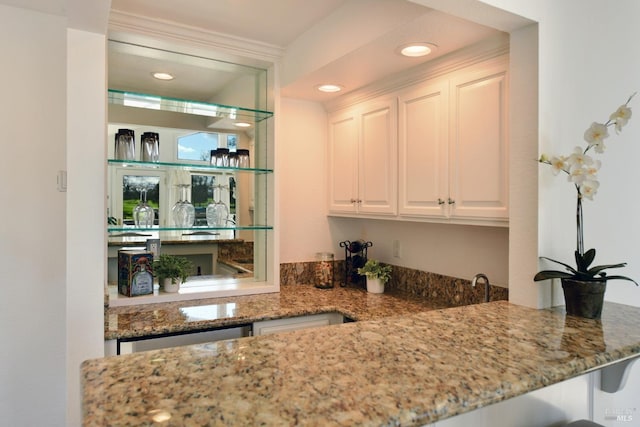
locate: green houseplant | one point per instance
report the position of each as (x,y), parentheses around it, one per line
(377,275)
(584,285)
(172,271)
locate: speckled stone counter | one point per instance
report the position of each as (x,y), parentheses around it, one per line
(292,300)
(402,370)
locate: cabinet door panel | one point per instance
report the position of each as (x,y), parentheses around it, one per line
(423,150)
(377,182)
(343,162)
(479,146)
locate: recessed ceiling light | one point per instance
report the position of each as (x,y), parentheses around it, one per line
(416,49)
(329,88)
(242,124)
(162,76)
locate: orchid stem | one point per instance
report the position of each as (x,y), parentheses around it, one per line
(580,236)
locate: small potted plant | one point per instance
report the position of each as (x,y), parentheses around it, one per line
(377,275)
(172,271)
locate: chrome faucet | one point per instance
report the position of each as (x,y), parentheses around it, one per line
(486,284)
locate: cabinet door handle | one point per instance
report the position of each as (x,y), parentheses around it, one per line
(440,201)
(450,201)
(352,200)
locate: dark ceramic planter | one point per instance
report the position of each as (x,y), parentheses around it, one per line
(584,298)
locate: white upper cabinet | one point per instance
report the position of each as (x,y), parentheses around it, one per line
(435,151)
(363,159)
(478,144)
(343,162)
(423,150)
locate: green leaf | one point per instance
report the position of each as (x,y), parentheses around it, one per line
(621,278)
(568,267)
(551,274)
(597,269)
(584,261)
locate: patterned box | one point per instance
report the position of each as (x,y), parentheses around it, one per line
(135,273)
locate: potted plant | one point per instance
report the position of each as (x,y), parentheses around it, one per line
(172,271)
(377,275)
(583,285)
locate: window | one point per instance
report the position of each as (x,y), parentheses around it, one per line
(197,146)
(132,188)
(202,193)
(126,185)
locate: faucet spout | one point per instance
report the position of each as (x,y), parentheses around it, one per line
(486,284)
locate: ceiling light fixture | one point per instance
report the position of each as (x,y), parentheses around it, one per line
(415,50)
(162,76)
(329,88)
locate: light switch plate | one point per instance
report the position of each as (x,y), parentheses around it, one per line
(62,181)
(396,249)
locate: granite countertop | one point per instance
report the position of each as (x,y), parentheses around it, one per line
(292,300)
(405,370)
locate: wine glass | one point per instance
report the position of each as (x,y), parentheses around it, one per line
(143,214)
(183,212)
(217,211)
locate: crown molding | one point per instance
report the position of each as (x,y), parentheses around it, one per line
(159,33)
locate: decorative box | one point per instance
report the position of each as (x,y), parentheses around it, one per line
(135,273)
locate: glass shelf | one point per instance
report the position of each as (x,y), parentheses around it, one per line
(192,166)
(177,105)
(131,231)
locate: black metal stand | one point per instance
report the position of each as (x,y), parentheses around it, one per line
(355,256)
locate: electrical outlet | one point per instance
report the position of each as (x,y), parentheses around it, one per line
(396,248)
(153,246)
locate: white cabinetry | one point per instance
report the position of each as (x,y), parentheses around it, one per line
(423,150)
(453,146)
(362,159)
(288,324)
(440,155)
(478,143)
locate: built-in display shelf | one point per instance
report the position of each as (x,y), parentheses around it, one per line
(192,107)
(189,166)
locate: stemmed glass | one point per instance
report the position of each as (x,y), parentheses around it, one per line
(143,214)
(217,210)
(183,212)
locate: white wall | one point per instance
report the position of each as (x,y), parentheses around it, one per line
(33,216)
(452,250)
(304,229)
(586,71)
(86,207)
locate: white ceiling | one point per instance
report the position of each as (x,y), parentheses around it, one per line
(347,42)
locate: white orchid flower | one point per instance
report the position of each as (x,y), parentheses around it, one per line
(596,135)
(559,164)
(578,176)
(591,171)
(578,159)
(588,189)
(620,117)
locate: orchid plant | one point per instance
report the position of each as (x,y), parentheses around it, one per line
(582,171)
